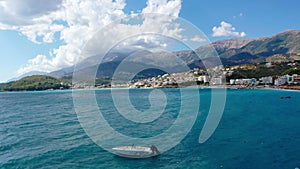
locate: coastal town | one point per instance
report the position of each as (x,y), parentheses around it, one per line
(267,75)
(200,77)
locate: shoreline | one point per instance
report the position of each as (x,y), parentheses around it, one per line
(283,88)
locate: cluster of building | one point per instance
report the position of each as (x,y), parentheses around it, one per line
(270,80)
(287,79)
(248,82)
(190,78)
(198,77)
(166,80)
(215,77)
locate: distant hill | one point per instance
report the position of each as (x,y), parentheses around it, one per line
(27,74)
(35,82)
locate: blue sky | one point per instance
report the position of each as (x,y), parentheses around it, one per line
(45,37)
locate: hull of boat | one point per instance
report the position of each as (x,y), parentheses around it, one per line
(133,151)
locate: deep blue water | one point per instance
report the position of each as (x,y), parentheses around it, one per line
(257,130)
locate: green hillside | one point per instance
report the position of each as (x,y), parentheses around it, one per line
(258,71)
(36,82)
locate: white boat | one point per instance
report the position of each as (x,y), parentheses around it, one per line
(136,151)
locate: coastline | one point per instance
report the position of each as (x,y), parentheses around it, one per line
(284,87)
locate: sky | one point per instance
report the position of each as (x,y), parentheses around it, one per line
(39,35)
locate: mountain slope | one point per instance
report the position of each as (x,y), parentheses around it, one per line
(280,47)
(240,51)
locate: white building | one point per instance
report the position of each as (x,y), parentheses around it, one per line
(280,81)
(203,78)
(217,81)
(266,80)
(239,82)
(286,79)
(232,81)
(296,79)
(268,64)
(289,79)
(252,81)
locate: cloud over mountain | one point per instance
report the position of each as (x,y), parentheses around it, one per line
(74,22)
(226,29)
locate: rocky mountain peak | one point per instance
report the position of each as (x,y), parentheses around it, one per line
(231,43)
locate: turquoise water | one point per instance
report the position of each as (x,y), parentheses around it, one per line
(257,130)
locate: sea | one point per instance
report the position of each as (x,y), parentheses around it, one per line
(259,129)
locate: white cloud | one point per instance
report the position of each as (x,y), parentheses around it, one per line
(39,63)
(77,21)
(146,41)
(239,15)
(226,29)
(21,12)
(167,7)
(137,35)
(197,38)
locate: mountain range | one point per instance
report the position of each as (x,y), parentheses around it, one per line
(281,47)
